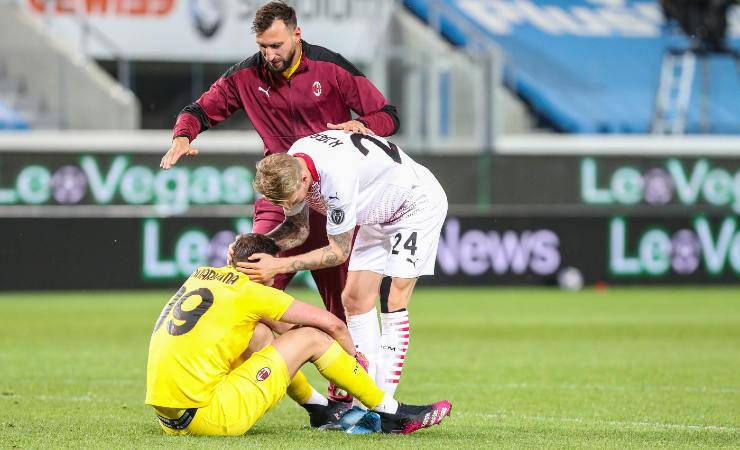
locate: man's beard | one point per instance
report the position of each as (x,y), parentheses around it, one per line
(287,62)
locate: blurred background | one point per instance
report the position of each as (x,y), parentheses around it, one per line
(592,142)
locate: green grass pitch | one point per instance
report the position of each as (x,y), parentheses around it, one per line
(524,368)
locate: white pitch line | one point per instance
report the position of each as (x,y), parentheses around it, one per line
(594,387)
(617,423)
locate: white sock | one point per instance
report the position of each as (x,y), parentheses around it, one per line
(365,332)
(316,399)
(387,405)
(394,343)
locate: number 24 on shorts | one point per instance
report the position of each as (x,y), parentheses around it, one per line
(409,244)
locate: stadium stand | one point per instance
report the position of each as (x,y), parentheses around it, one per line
(19,109)
(11,120)
(589,67)
(47,84)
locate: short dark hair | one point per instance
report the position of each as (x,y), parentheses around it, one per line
(248,244)
(269,13)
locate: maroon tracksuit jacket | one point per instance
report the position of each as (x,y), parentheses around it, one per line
(323,89)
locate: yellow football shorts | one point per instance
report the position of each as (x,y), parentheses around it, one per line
(244,396)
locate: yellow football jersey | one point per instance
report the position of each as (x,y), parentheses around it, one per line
(202,332)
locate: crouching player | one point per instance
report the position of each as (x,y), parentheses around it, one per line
(199,382)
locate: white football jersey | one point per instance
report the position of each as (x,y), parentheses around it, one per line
(358,179)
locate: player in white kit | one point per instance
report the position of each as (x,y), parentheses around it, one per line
(399,206)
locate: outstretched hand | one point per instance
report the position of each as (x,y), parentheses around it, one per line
(180,147)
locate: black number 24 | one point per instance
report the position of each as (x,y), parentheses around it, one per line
(190,317)
(409,245)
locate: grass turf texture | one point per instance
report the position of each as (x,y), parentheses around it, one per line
(633,367)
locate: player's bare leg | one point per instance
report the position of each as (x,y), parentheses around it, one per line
(321,412)
(261,338)
(395,294)
(309,344)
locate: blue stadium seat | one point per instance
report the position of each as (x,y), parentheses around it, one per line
(601,79)
(11,120)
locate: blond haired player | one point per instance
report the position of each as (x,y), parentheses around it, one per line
(364,180)
(199,383)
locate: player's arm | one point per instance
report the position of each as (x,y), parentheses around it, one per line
(277,326)
(276,305)
(294,229)
(303,314)
(289,234)
(262,267)
(360,95)
(340,228)
(334,254)
(212,108)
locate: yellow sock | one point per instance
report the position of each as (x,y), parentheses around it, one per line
(343,370)
(299,389)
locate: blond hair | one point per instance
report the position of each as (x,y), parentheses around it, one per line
(278,177)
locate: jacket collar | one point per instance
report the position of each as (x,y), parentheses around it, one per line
(303,64)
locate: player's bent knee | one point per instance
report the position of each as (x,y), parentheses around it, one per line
(403,284)
(356,303)
(348,297)
(316,336)
(307,336)
(261,338)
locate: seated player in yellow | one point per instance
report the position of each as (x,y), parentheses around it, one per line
(199,382)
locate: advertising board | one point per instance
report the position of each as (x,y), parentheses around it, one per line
(117,253)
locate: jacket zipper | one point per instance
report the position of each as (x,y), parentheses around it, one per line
(292,110)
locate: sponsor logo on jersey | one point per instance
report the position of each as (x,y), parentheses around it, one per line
(336,216)
(263,374)
(266,91)
(316,88)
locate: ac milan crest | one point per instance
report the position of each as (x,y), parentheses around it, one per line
(316,88)
(263,374)
(336,216)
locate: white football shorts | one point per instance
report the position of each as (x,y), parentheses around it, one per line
(406,248)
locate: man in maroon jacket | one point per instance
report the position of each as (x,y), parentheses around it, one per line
(289,89)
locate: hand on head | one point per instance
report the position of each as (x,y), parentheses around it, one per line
(351,126)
